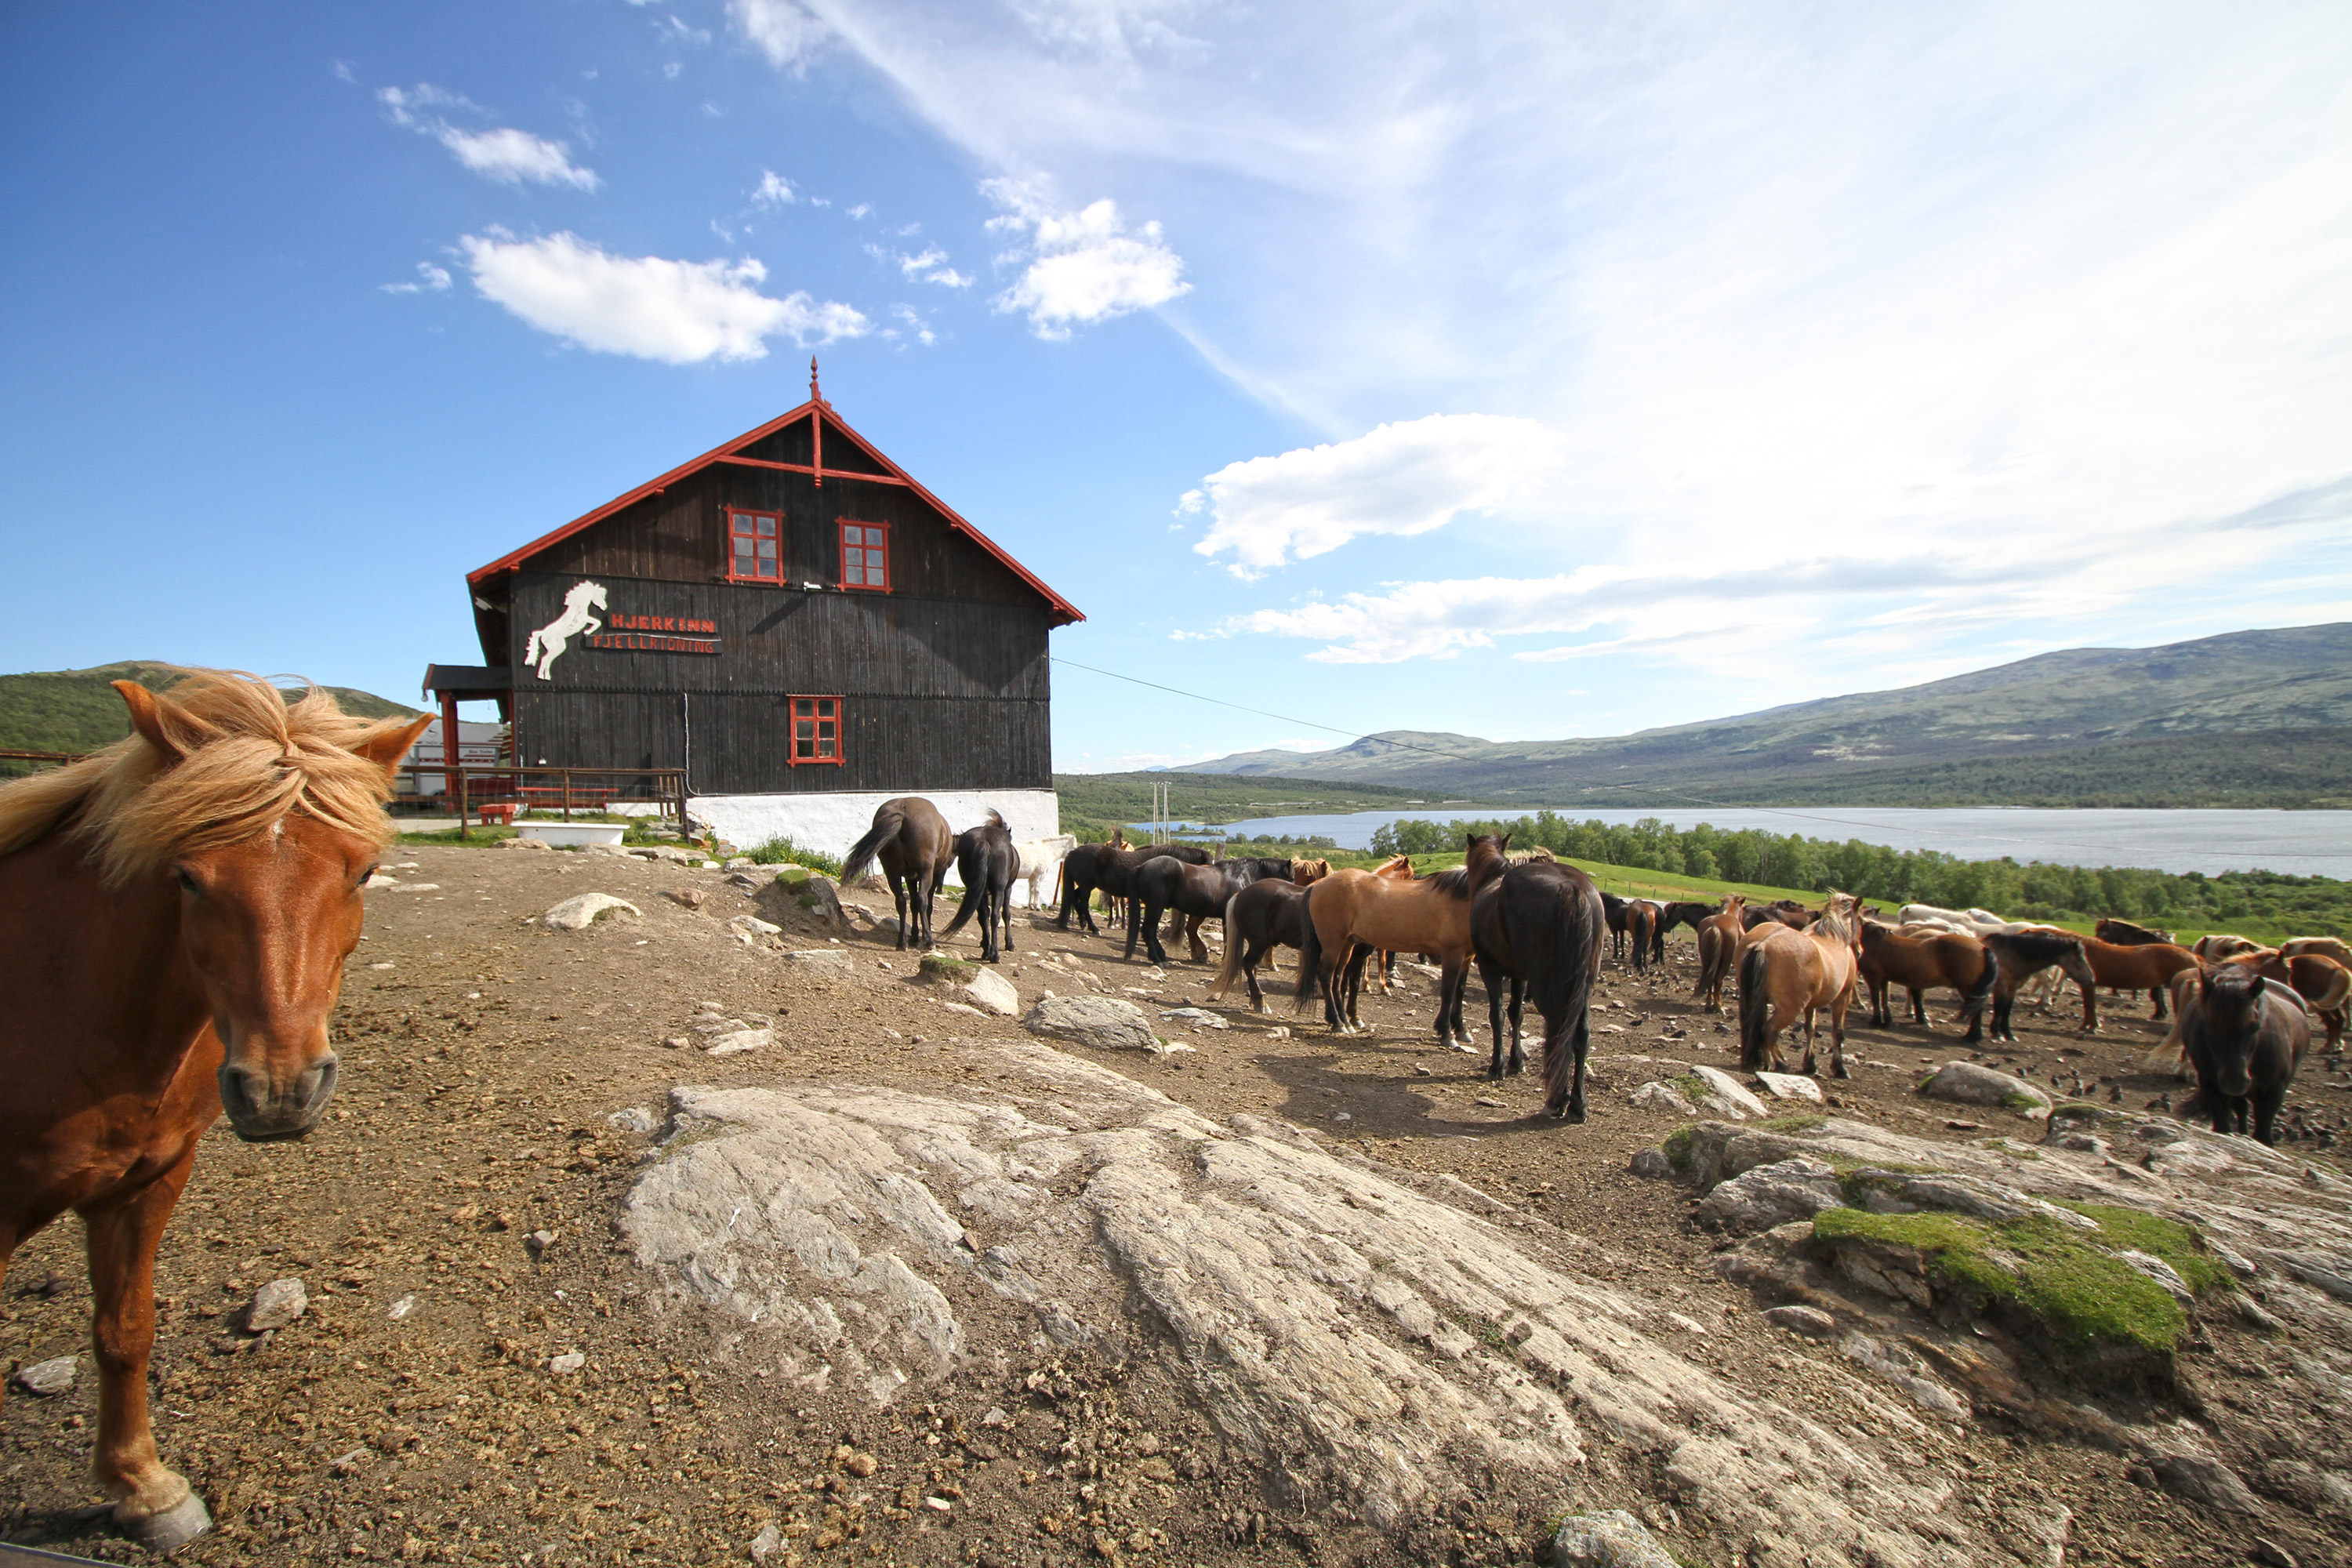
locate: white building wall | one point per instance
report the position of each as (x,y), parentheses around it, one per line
(833,822)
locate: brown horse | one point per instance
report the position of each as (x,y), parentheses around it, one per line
(1785,973)
(175,914)
(1891,957)
(2147,966)
(1641,930)
(1718,945)
(1395,868)
(2218,945)
(1263,916)
(2333,947)
(911,839)
(2124,933)
(1350,914)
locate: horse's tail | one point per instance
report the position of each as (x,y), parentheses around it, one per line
(1754,1004)
(1230,968)
(1310,951)
(1560,986)
(996,819)
(972,864)
(1973,1000)
(887,822)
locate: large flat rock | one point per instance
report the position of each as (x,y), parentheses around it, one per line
(1372,1342)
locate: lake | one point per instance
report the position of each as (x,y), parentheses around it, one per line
(2295,843)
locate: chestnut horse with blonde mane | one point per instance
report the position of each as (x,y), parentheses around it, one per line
(174,915)
(1785,973)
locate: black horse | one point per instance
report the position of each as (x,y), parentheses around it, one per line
(912,841)
(1115,868)
(1195,892)
(2022,954)
(1268,914)
(1684,913)
(1080,873)
(1540,926)
(2245,1036)
(986,859)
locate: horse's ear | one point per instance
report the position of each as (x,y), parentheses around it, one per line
(154,718)
(386,746)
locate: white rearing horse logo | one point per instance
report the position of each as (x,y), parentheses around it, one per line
(547,643)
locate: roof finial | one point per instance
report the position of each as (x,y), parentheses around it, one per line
(814,395)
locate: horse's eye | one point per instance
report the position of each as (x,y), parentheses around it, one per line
(187,881)
(367,876)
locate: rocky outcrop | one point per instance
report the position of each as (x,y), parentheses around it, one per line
(585,909)
(1365,1336)
(1969,1083)
(1106,1022)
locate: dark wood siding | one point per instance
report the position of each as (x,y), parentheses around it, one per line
(936,694)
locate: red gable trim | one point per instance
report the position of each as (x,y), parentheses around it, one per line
(1064,612)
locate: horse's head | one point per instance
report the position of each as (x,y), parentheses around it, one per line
(268,915)
(587,594)
(1302,872)
(2229,1009)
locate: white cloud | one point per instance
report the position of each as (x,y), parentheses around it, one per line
(431,280)
(504,153)
(916,327)
(1080,268)
(929,266)
(785,32)
(862,211)
(513,156)
(1401,479)
(775,191)
(680,312)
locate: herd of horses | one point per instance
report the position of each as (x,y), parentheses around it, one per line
(177,912)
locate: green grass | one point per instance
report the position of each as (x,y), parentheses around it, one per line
(784,852)
(2077,1288)
(1677,1149)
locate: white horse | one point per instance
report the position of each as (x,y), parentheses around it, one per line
(547,643)
(1975,920)
(1041,856)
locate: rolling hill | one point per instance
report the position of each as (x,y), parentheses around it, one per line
(80,711)
(2255,718)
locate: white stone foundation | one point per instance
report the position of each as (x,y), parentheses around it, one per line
(831,822)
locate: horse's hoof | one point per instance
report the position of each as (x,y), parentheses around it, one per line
(172,1529)
(1839,1071)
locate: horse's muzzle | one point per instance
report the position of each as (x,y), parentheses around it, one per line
(261,1114)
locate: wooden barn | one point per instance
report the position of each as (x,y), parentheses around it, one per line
(794,620)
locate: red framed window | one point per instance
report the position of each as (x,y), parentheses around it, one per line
(755,542)
(816,729)
(865,555)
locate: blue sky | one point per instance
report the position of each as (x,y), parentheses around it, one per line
(1526,371)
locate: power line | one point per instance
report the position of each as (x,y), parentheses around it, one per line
(1650,789)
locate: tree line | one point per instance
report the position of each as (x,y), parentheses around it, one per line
(2032,891)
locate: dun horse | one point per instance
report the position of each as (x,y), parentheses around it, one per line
(911,839)
(1351,913)
(174,915)
(1785,973)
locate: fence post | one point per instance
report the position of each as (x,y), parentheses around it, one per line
(461,805)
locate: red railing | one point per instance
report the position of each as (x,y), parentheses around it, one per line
(497,793)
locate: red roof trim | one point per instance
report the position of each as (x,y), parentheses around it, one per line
(1064,611)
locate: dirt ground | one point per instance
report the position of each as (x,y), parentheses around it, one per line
(412,1413)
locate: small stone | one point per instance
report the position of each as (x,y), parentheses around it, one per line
(817,956)
(1653,1163)
(2198,1479)
(1810,1321)
(1736,1095)
(677,1042)
(1279,1032)
(735,1042)
(569,1362)
(46,1378)
(753,925)
(1488,1100)
(2271,1554)
(996,1417)
(1663,1097)
(692,898)
(1789,1086)
(401,1307)
(1106,1022)
(859,1465)
(635,1119)
(1198,1017)
(585,910)
(275,1305)
(1972,1083)
(1611,1540)
(538,1241)
(992,992)
(769,1544)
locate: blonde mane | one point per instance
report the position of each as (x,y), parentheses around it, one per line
(251,760)
(1840,919)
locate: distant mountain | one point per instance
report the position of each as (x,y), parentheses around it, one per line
(2085,726)
(80,711)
